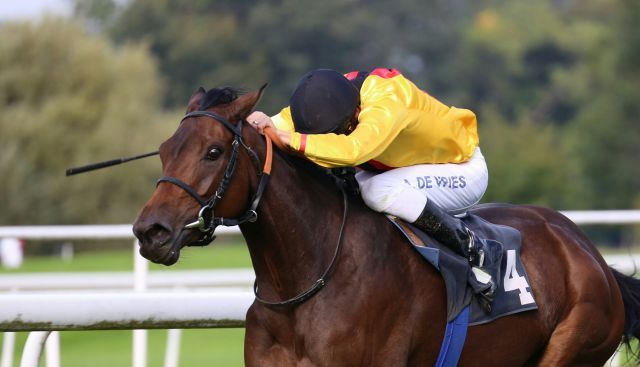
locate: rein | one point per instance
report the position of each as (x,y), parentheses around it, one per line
(207,221)
(322,281)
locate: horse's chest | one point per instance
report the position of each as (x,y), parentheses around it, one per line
(319,340)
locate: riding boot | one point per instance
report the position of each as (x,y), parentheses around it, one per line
(451,232)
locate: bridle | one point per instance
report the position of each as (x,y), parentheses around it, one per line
(207,221)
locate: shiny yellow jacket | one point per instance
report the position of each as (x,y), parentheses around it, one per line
(399,125)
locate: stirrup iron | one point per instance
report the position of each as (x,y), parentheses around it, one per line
(476,255)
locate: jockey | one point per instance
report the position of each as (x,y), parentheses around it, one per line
(419,158)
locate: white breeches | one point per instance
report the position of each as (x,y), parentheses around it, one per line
(404,191)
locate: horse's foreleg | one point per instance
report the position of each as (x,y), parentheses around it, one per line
(260,347)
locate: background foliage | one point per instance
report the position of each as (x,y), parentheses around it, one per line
(67,98)
(555,84)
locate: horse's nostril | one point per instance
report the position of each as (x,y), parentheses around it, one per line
(158,234)
(154,234)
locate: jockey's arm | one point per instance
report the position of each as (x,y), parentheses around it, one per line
(379,122)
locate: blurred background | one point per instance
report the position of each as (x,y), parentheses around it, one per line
(555,85)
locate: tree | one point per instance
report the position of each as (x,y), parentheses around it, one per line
(533,71)
(97,14)
(69,98)
(509,57)
(604,135)
(528,164)
(244,43)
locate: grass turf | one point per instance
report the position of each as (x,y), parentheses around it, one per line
(212,347)
(231,255)
(198,347)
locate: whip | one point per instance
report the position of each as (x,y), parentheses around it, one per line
(109,163)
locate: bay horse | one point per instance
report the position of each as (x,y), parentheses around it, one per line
(346,289)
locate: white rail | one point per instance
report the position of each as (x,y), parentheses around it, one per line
(103,311)
(124,231)
(603,217)
(139,280)
(225,278)
(130,310)
(74,232)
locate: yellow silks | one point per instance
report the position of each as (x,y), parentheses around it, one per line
(399,125)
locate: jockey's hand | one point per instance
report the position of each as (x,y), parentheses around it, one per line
(260,121)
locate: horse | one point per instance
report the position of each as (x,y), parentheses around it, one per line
(338,285)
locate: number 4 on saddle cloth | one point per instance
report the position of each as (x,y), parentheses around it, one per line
(513,293)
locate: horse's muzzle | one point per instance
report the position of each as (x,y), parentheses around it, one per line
(156,242)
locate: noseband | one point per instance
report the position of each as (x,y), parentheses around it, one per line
(207,221)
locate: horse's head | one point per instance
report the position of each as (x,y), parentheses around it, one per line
(206,179)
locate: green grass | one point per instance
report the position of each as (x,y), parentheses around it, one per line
(198,347)
(210,257)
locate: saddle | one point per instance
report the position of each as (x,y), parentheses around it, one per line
(513,293)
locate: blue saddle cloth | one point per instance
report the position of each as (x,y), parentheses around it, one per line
(513,293)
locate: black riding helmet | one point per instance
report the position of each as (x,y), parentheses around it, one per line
(324,102)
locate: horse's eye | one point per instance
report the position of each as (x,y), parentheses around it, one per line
(214,153)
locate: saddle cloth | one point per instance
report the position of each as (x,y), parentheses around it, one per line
(513,293)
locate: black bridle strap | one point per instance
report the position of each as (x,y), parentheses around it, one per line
(236,129)
(300,298)
(207,222)
(250,215)
(228,173)
(202,201)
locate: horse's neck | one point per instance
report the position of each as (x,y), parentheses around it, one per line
(296,232)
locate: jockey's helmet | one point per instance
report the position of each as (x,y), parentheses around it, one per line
(324,102)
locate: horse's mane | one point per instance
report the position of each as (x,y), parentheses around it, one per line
(218,96)
(225,95)
(315,172)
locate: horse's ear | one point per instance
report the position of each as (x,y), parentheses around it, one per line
(246,103)
(194,101)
